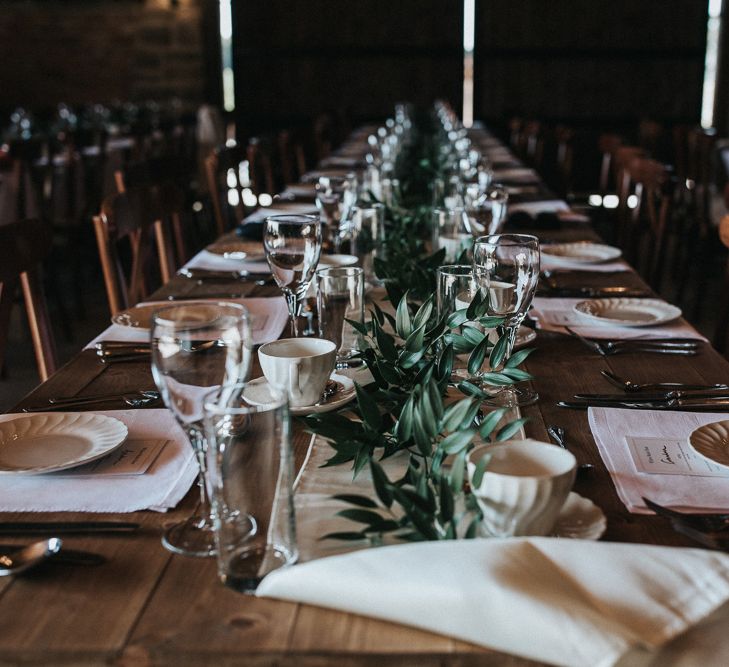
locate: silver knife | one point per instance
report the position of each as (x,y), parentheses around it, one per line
(720,404)
(66,527)
(652,397)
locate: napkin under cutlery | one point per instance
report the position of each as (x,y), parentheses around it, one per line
(565,602)
(631,444)
(161,488)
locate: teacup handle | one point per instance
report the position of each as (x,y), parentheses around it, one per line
(294,388)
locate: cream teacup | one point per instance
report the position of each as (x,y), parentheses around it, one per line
(300,366)
(525,485)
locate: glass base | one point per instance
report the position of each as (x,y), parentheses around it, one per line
(192,537)
(510,396)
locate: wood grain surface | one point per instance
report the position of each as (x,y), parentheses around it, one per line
(146,606)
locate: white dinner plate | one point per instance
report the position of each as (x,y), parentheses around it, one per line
(626,312)
(712,442)
(582,253)
(140,317)
(235,250)
(257,393)
(326,261)
(580,519)
(47,442)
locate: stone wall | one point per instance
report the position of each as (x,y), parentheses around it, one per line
(85,51)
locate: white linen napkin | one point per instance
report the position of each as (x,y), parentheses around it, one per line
(548,263)
(212,262)
(162,487)
(516,175)
(565,602)
(555,314)
(537,207)
(695,488)
(262,213)
(269,316)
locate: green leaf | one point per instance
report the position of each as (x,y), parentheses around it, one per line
(378,314)
(422,439)
(455,442)
(479,471)
(368,408)
(415,340)
(359,327)
(426,414)
(436,400)
(457,318)
(361,516)
(360,501)
(511,429)
(475,361)
(474,308)
(349,536)
(423,314)
(446,500)
(381,484)
(497,354)
(471,389)
(473,528)
(473,335)
(517,374)
(409,359)
(489,422)
(496,379)
(458,471)
(455,412)
(385,343)
(515,359)
(361,459)
(404,428)
(403,325)
(388,372)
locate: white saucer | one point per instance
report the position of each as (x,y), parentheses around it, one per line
(326,261)
(257,393)
(580,519)
(712,442)
(627,312)
(581,252)
(47,442)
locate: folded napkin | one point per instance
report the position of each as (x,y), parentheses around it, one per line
(262,213)
(548,263)
(160,488)
(632,442)
(537,207)
(268,320)
(565,602)
(554,314)
(516,175)
(213,262)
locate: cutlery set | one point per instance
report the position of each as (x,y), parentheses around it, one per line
(709,529)
(550,287)
(606,348)
(209,275)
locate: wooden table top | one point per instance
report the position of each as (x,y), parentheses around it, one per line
(147,606)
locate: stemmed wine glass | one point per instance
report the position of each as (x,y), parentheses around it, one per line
(506,269)
(197,347)
(334,199)
(292,244)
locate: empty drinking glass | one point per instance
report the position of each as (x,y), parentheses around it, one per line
(452,230)
(489,209)
(252,484)
(340,297)
(368,234)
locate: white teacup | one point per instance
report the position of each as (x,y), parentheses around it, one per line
(525,485)
(300,366)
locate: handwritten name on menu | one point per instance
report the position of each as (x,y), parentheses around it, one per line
(669,456)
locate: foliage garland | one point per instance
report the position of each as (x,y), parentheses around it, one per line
(410,356)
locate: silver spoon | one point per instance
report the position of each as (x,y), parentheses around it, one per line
(629,385)
(30,556)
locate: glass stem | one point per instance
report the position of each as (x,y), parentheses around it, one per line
(199,445)
(293,304)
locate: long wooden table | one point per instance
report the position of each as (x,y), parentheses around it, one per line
(147,606)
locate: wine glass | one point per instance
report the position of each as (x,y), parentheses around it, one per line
(197,347)
(506,269)
(292,244)
(334,199)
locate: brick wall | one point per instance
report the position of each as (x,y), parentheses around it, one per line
(83,51)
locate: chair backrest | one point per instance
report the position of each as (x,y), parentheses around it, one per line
(722,324)
(134,218)
(292,157)
(23,247)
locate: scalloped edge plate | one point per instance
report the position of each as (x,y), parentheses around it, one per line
(582,252)
(48,442)
(580,519)
(627,312)
(712,442)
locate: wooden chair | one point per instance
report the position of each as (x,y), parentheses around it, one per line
(292,157)
(236,175)
(649,219)
(134,219)
(722,324)
(24,246)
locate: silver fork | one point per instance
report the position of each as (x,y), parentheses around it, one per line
(606,348)
(630,386)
